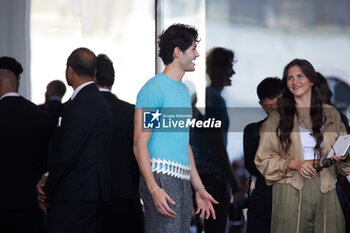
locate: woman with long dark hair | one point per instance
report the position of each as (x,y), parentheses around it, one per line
(295,141)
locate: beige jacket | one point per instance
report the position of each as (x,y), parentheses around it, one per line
(272,162)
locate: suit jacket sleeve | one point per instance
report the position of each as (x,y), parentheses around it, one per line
(75,128)
(269,160)
(135,173)
(250,145)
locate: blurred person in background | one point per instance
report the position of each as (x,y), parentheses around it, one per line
(342,181)
(260,202)
(55,91)
(326,96)
(209,145)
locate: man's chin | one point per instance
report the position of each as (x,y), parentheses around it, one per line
(191,70)
(228,83)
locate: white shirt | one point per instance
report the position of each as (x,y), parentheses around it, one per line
(55,98)
(308,143)
(76,91)
(104,89)
(9,94)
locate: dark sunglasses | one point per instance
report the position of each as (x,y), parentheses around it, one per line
(327,162)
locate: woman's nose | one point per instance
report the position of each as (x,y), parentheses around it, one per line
(295,80)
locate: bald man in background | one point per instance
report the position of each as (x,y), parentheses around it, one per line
(79,155)
(23,142)
(55,90)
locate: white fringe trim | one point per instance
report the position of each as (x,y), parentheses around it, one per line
(171,168)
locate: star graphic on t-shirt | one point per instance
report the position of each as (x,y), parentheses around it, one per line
(156,115)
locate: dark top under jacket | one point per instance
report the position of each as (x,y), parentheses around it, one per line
(260,202)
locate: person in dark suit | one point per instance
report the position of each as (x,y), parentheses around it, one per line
(343,184)
(260,202)
(23,141)
(55,90)
(79,155)
(123,213)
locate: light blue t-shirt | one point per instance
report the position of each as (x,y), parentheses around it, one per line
(167,95)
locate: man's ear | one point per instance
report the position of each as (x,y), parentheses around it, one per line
(70,69)
(17,83)
(177,52)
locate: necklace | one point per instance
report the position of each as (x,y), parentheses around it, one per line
(306,123)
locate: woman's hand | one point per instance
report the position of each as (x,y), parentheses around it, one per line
(305,168)
(205,203)
(161,199)
(339,158)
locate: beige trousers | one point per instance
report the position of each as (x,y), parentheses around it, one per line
(306,211)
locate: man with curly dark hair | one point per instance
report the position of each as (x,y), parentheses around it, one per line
(177,35)
(165,158)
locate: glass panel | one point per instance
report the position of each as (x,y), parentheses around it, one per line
(192,13)
(267,34)
(105,26)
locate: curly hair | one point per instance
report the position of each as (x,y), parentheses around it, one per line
(12,65)
(177,35)
(105,71)
(287,109)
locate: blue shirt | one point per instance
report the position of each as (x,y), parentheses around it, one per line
(169,97)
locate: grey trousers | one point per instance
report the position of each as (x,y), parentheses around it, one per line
(180,191)
(316,212)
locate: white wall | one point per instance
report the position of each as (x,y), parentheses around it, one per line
(14,39)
